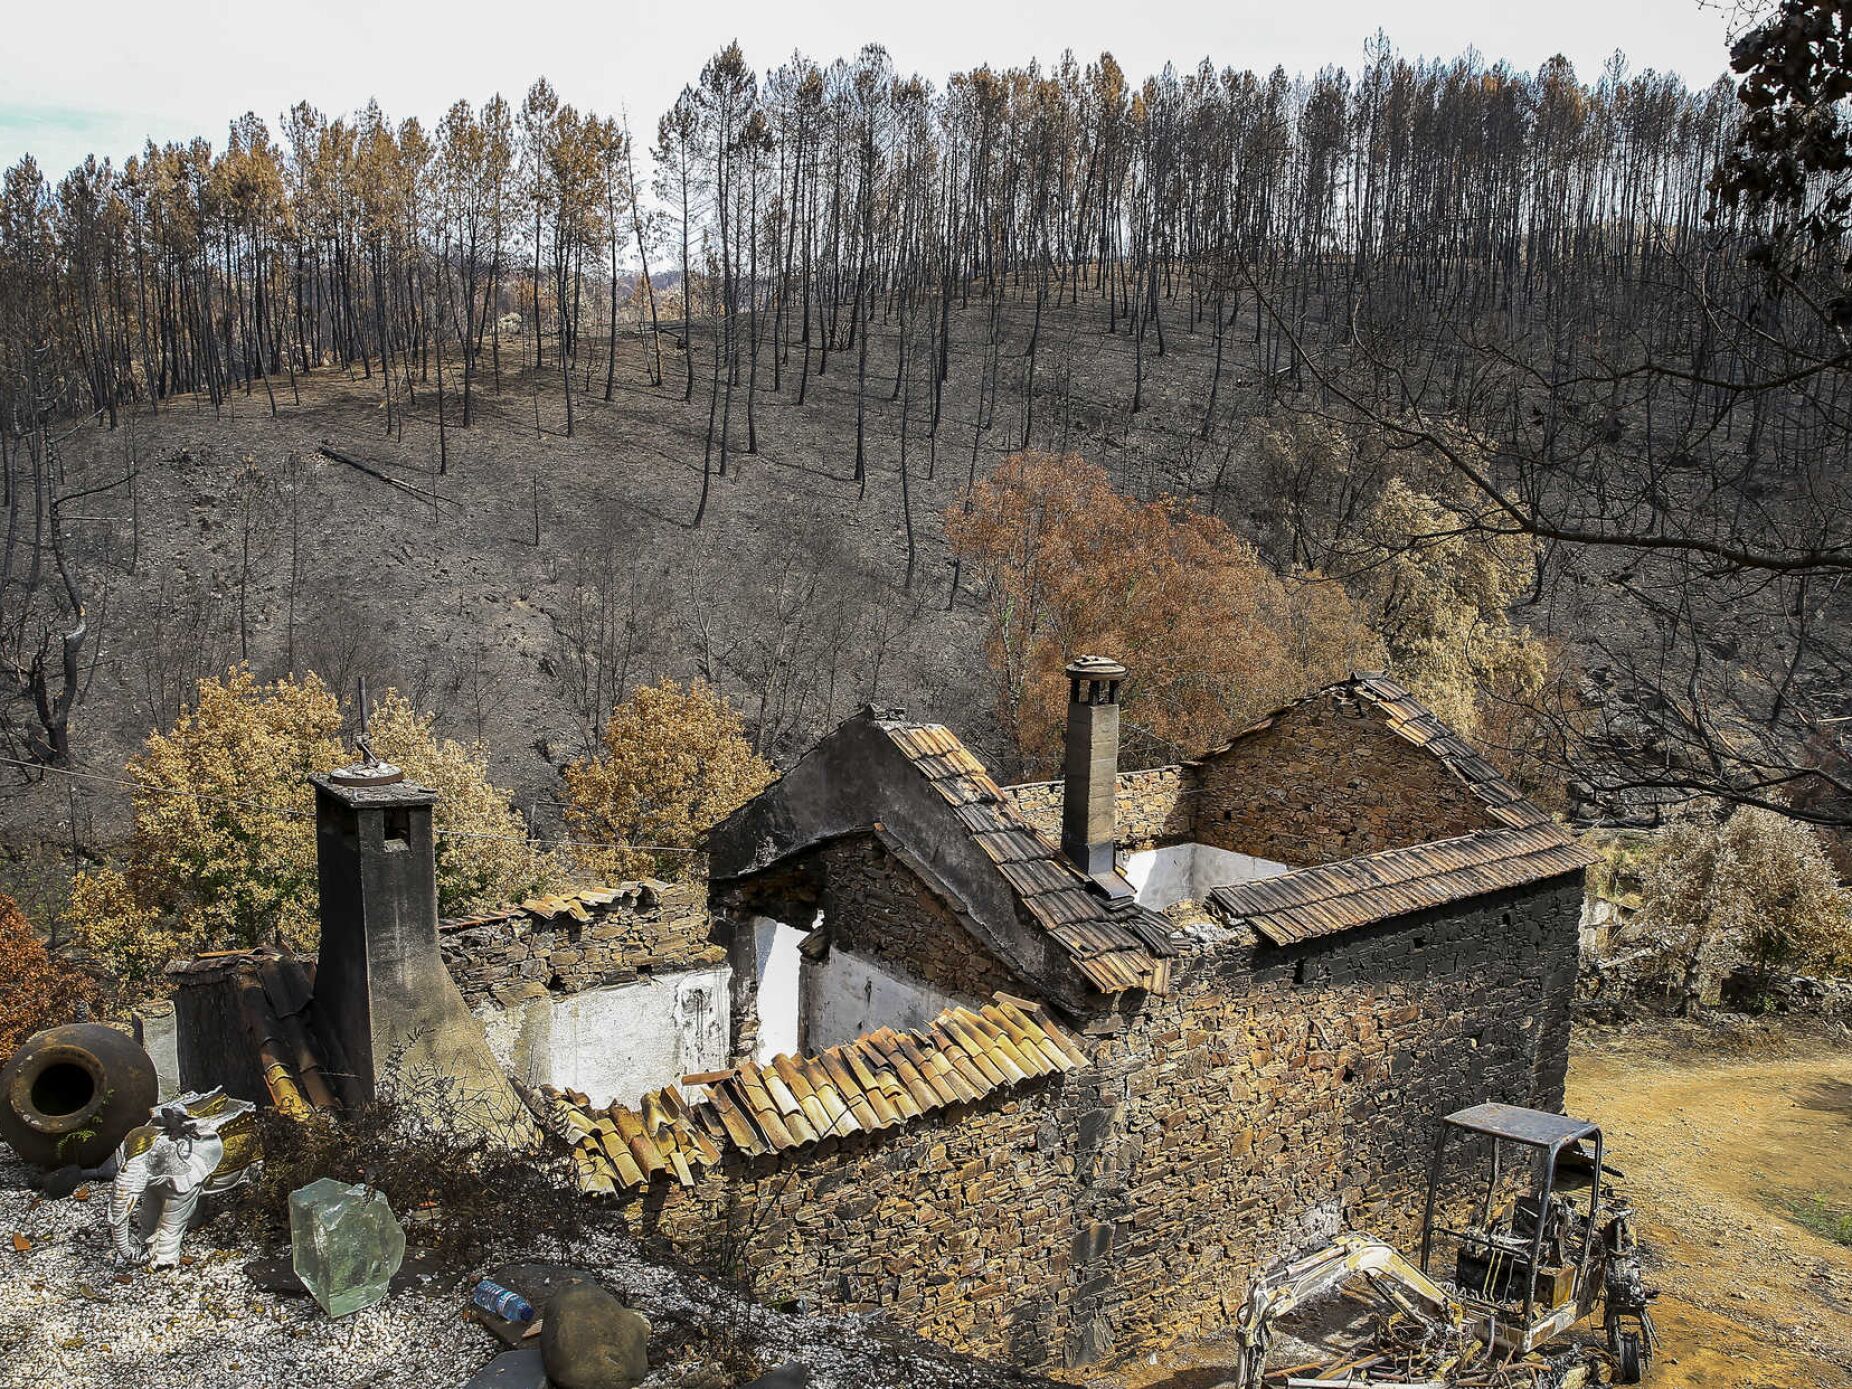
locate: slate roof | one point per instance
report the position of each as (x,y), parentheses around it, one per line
(876,1082)
(1414,721)
(270,993)
(1117,944)
(1333,897)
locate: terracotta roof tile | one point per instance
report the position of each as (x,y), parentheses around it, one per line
(876,1082)
(270,991)
(1052,890)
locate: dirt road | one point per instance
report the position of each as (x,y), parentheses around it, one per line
(1719,1140)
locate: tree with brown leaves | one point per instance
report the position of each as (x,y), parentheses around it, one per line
(675,761)
(36,990)
(1211,635)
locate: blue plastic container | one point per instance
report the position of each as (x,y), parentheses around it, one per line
(506,1303)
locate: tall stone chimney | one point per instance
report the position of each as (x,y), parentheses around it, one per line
(1092,765)
(382,995)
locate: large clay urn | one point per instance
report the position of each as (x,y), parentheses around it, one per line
(70,1094)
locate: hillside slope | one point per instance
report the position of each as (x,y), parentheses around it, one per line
(521,591)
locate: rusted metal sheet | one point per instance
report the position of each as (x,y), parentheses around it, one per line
(269,989)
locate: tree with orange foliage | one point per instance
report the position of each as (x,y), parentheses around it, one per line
(1212,637)
(36,990)
(674,762)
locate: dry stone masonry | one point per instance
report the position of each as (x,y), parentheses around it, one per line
(589,939)
(1124,1112)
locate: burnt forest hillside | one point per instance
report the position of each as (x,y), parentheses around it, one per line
(440,407)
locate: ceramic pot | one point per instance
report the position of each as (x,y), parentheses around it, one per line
(70,1094)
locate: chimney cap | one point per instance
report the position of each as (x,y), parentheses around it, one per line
(369,773)
(374,794)
(1095,668)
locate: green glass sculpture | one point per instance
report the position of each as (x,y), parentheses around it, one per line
(344,1243)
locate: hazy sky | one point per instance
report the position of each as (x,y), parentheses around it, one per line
(104,75)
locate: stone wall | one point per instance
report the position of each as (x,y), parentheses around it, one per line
(1326,780)
(875,907)
(1151,806)
(1274,1097)
(1284,1094)
(958,1225)
(651,928)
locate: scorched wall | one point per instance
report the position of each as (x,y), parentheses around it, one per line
(1276,1096)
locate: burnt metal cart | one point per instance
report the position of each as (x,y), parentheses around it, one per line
(1534,1264)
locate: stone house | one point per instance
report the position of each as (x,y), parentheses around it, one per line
(1045,1072)
(1281,963)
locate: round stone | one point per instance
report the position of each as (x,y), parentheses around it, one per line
(590,1340)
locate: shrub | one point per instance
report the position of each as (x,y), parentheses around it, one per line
(674,761)
(1439,594)
(131,939)
(37,990)
(223,847)
(1433,569)
(1757,885)
(463,1199)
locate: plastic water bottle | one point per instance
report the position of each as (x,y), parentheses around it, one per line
(505,1303)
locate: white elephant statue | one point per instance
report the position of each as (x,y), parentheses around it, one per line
(195,1145)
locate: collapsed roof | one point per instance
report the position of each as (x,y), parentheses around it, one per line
(263,996)
(931,802)
(1521,845)
(878,1081)
(971,845)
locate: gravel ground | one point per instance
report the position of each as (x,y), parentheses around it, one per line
(72,1318)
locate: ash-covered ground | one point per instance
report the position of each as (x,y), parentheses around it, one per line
(72,1316)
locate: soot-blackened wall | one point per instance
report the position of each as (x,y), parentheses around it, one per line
(1282,1095)
(1275,1096)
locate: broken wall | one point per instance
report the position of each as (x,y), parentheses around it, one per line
(874,907)
(886,951)
(1150,807)
(562,946)
(619,1041)
(1285,1094)
(612,999)
(1172,872)
(846,996)
(1274,1097)
(1324,780)
(778,975)
(957,1225)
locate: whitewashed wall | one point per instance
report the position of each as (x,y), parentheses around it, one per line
(616,1043)
(806,1006)
(847,995)
(1176,871)
(780,968)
